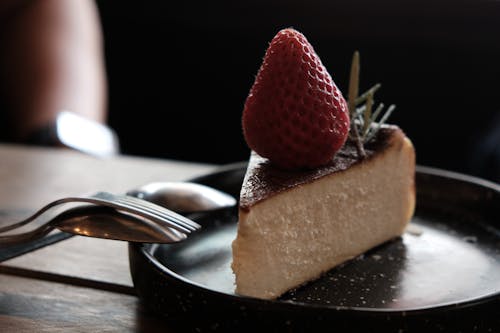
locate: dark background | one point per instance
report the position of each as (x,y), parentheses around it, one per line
(179,72)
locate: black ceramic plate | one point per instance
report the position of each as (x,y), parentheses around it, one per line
(444,275)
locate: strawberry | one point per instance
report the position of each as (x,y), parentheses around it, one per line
(294,114)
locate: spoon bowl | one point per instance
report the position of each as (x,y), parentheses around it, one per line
(184,197)
(108,223)
(180,197)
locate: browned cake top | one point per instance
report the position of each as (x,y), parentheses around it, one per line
(263,180)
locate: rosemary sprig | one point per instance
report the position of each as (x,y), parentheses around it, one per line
(372,91)
(353,94)
(364,124)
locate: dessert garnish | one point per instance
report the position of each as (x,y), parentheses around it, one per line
(294,114)
(364,124)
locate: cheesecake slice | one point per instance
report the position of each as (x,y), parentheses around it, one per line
(296,225)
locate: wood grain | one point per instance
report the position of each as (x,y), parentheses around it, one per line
(79,284)
(78,259)
(28,305)
(30,177)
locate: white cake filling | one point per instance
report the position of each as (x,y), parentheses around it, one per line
(297,235)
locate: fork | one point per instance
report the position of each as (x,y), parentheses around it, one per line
(161,216)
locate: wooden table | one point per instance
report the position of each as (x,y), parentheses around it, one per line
(79,284)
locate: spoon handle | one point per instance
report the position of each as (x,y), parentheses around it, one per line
(25,237)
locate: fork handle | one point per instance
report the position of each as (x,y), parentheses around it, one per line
(34,216)
(7,241)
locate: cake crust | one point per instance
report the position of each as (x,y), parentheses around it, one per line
(263,180)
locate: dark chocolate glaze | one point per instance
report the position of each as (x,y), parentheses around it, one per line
(263,179)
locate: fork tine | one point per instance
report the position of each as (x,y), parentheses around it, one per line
(163,211)
(138,206)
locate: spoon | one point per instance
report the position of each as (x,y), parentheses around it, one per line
(99,222)
(184,197)
(108,223)
(181,197)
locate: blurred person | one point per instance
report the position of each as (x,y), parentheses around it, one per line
(51,60)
